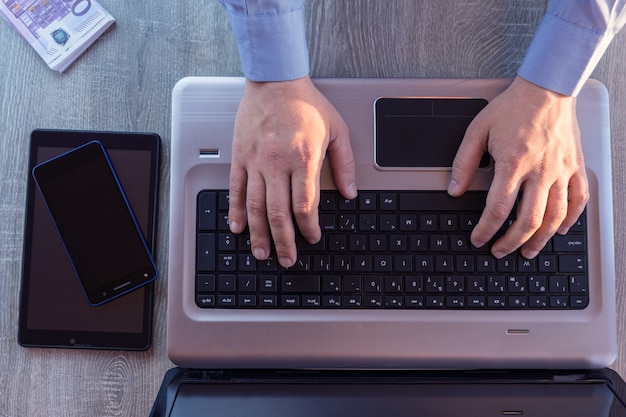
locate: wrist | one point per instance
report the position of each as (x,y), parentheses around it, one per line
(531,93)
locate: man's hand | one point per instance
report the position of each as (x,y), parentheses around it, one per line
(533,136)
(283,131)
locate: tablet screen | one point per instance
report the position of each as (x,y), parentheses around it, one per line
(53,309)
(390,399)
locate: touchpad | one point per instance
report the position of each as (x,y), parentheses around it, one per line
(422,132)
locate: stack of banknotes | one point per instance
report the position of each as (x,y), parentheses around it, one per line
(59,30)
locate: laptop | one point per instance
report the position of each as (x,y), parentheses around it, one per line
(422,299)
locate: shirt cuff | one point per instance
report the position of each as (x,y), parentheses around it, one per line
(272,46)
(562,55)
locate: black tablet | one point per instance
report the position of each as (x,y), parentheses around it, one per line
(53,309)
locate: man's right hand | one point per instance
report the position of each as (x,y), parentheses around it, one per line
(283,131)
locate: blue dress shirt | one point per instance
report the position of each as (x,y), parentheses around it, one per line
(271,38)
(570,40)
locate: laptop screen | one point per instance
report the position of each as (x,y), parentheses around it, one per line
(381,400)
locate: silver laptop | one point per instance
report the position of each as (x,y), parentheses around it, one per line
(421,315)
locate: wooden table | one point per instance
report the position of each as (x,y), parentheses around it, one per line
(124,83)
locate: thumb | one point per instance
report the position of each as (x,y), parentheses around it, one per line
(342,163)
(468,156)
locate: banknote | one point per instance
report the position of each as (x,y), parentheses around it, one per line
(59,30)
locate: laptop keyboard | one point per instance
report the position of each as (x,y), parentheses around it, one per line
(387,250)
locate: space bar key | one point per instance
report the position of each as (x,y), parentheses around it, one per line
(301,283)
(441,201)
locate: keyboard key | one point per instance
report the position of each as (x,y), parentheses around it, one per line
(226,283)
(367,201)
(557,284)
(205,252)
(205,300)
(328,201)
(388,201)
(268,301)
(246,301)
(578,301)
(434,301)
(331,283)
(351,283)
(414,301)
(351,301)
(559,301)
(572,263)
(246,283)
(428,222)
(301,283)
(475,301)
(516,284)
(331,301)
(393,284)
(569,243)
(373,284)
(434,284)
(372,301)
(537,301)
(393,301)
(268,283)
(205,283)
(476,284)
(448,222)
(495,284)
(518,301)
(226,301)
(455,301)
(207,211)
(537,284)
(496,301)
(455,284)
(414,284)
(579,284)
(311,301)
(290,301)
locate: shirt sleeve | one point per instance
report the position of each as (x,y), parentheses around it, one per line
(570,40)
(271,38)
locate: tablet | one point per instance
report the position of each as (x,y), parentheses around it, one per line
(53,309)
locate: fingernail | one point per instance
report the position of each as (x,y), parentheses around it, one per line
(531,254)
(234,227)
(286,262)
(352,190)
(453,187)
(478,244)
(499,254)
(563,230)
(258,253)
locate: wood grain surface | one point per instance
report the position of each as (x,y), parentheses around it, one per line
(124,83)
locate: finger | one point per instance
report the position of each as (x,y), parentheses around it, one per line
(237,199)
(467,158)
(555,212)
(279,217)
(500,201)
(578,196)
(257,218)
(529,218)
(305,201)
(342,163)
